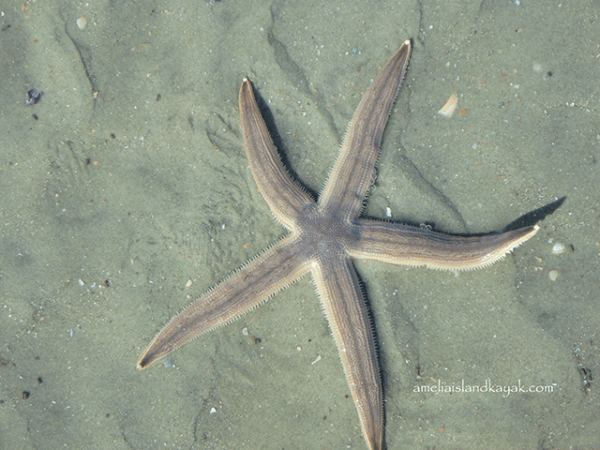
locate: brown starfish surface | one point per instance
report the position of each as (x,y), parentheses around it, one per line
(324,237)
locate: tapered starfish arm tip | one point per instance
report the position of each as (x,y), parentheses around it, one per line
(285,198)
(352,173)
(263,276)
(396,243)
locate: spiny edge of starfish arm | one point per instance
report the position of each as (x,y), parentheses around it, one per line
(285,195)
(347,184)
(161,345)
(353,330)
(411,246)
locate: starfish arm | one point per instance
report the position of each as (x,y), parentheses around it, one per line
(244,290)
(346,311)
(352,173)
(285,198)
(402,244)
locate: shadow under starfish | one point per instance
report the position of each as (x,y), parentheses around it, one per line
(325,236)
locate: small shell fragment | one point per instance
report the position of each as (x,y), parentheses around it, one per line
(553,275)
(33,96)
(558,248)
(448,109)
(82,22)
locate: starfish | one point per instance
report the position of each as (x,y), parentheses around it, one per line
(324,237)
